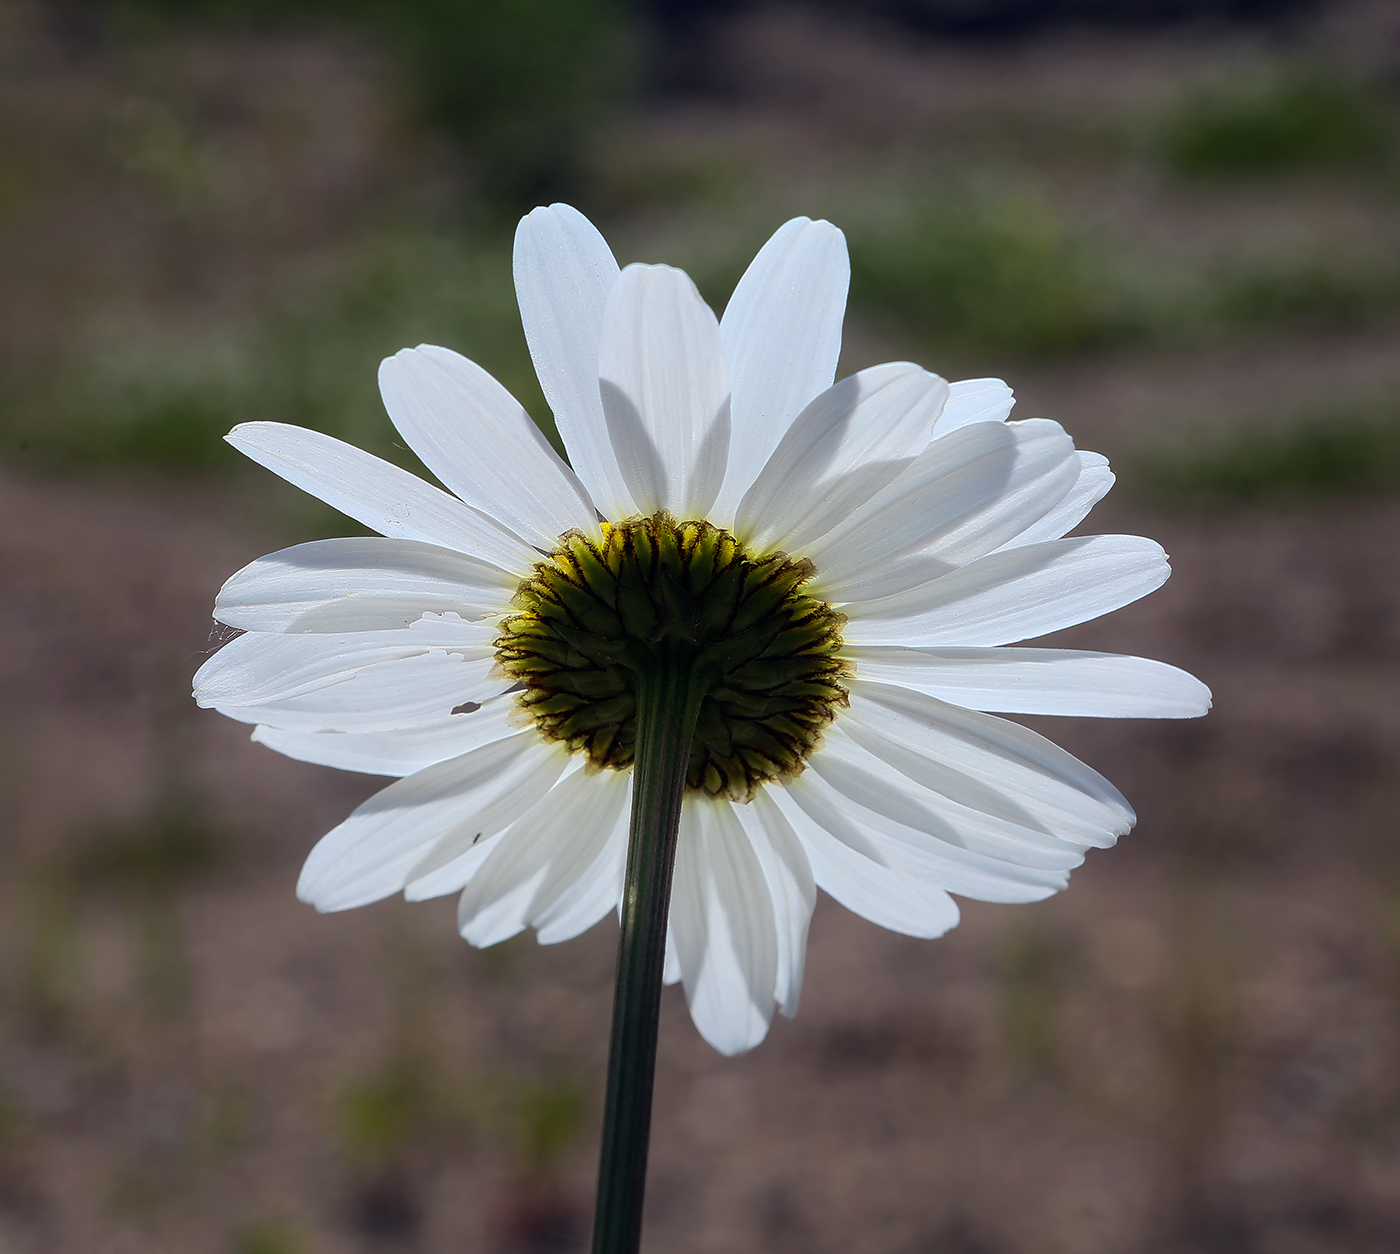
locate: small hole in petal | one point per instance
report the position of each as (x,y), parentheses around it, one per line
(467,707)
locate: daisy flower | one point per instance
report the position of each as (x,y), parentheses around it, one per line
(843,572)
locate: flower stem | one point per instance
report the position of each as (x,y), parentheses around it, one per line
(668,704)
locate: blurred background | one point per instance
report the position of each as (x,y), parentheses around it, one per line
(1171,225)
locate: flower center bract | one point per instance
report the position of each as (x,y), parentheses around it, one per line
(595,616)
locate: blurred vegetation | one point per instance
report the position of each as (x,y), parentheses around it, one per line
(1337,454)
(270,1236)
(1290,118)
(1004,275)
(518,84)
(1035,969)
(309,360)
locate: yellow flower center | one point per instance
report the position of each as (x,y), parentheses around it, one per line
(594,616)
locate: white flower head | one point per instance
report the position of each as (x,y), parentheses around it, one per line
(855,560)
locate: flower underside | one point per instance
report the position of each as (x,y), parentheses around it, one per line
(594,618)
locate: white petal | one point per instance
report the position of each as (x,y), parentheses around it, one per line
(782,338)
(722,919)
(475,436)
(382,496)
(1039,681)
(893,785)
(547,850)
(959,849)
(987,763)
(665,396)
(353,681)
(849,870)
(671,972)
(564,273)
(842,449)
(961,498)
(577,893)
(452,862)
(788,871)
(975,400)
(1095,479)
(370,855)
(359,583)
(263,665)
(399,751)
(1015,594)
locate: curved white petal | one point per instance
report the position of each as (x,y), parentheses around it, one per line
(382,496)
(850,870)
(450,864)
(664,391)
(861,767)
(1014,595)
(370,855)
(478,439)
(959,849)
(564,273)
(843,448)
(360,583)
(353,681)
(583,887)
(1038,681)
(961,498)
(788,871)
(398,751)
(556,842)
(671,971)
(975,400)
(1092,485)
(782,338)
(987,763)
(725,934)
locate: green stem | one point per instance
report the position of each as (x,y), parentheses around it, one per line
(668,704)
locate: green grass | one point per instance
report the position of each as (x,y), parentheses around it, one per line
(1339,454)
(1009,275)
(1321,293)
(1284,120)
(161,400)
(518,86)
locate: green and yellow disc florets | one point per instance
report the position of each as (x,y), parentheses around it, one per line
(594,616)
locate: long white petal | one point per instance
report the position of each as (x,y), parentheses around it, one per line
(782,338)
(664,391)
(478,439)
(1092,485)
(1014,595)
(844,447)
(354,681)
(966,852)
(987,763)
(370,854)
(555,843)
(399,751)
(722,920)
(576,894)
(671,970)
(450,865)
(564,274)
(850,871)
(975,400)
(788,871)
(961,498)
(359,583)
(384,497)
(862,768)
(1038,681)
